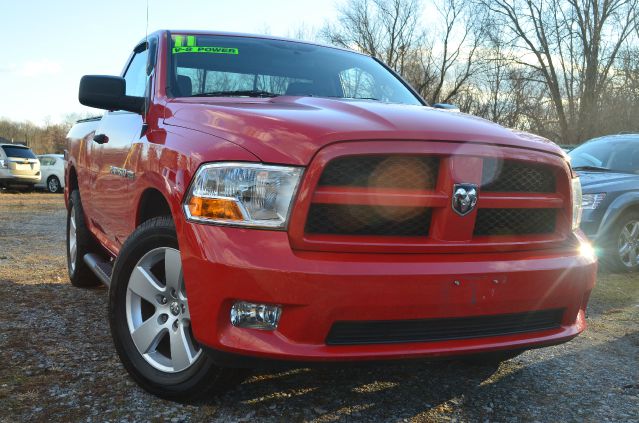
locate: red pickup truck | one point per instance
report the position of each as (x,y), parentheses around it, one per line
(253,200)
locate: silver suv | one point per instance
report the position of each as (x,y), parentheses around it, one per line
(19,167)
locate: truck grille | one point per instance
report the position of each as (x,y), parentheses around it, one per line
(405,200)
(491,222)
(394,171)
(429,330)
(511,176)
(368,220)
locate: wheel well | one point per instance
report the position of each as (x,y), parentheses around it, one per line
(634,208)
(152,204)
(73,180)
(608,224)
(630,209)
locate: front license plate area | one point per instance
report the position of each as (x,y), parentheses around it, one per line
(476,289)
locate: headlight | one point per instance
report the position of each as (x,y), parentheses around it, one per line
(592,201)
(244,194)
(576,203)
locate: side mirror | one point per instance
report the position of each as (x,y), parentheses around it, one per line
(109,93)
(446,106)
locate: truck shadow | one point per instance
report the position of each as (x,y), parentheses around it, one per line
(535,386)
(388,391)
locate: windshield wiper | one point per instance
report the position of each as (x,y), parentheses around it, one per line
(237,93)
(593,168)
(356,98)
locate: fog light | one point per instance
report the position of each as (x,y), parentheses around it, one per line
(255,316)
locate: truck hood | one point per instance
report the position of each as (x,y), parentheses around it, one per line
(291,130)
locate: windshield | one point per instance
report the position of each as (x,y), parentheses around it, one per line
(607,153)
(255,67)
(19,152)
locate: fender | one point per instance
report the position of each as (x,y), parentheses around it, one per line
(167,161)
(618,207)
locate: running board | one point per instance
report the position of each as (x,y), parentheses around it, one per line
(100,267)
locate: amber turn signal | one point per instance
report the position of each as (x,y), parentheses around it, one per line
(214,208)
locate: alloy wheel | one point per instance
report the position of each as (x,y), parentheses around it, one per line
(157,312)
(53,185)
(628,244)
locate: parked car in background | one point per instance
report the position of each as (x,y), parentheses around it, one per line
(609,172)
(52,172)
(19,167)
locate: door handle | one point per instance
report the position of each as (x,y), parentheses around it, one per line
(101,139)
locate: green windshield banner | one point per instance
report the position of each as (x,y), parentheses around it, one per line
(211,50)
(179,40)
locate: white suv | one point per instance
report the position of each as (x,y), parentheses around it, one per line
(52,168)
(19,167)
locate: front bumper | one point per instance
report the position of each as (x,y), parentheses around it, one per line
(315,289)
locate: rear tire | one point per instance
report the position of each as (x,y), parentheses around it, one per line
(53,184)
(150,319)
(79,242)
(622,247)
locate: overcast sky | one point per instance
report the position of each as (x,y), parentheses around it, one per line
(48,45)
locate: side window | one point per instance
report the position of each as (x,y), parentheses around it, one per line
(135,75)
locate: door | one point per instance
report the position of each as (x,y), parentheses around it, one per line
(112,209)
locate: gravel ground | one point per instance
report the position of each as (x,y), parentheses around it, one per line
(60,364)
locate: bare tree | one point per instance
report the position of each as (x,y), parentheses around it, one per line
(386,29)
(572,45)
(619,101)
(47,138)
(452,59)
(438,62)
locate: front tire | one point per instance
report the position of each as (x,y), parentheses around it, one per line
(53,184)
(79,242)
(150,320)
(622,248)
